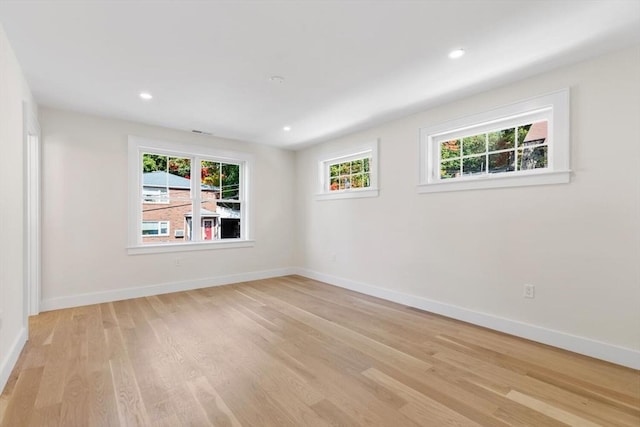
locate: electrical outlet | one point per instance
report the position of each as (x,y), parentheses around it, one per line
(529,291)
(178,262)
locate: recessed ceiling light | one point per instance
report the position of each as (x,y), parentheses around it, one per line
(276,79)
(454,54)
(146,96)
(286,128)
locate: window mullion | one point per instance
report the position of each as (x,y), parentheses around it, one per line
(486,153)
(461,169)
(196,203)
(516,144)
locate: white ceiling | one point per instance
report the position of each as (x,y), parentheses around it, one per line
(347,64)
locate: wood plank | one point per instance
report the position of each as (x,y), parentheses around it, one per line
(292,351)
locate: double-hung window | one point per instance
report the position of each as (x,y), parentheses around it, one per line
(185,197)
(526,143)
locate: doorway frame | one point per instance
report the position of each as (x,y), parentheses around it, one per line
(33,242)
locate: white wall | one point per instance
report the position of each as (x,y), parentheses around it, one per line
(468,254)
(85,216)
(13,92)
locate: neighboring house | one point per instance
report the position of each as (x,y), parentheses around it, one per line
(167,211)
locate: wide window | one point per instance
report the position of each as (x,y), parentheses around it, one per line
(349,174)
(201,192)
(521,144)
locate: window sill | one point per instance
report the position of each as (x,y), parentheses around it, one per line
(488,181)
(353,194)
(192,246)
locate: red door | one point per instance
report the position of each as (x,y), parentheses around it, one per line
(208,228)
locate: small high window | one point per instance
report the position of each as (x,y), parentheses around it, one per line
(349,174)
(526,143)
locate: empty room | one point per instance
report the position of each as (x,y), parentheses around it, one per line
(320,213)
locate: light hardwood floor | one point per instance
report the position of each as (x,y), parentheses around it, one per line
(294,352)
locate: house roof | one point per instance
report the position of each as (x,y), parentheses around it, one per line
(537,132)
(165,179)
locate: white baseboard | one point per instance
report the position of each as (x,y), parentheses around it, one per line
(577,344)
(586,346)
(163,288)
(7,364)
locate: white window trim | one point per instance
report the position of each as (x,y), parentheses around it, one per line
(553,106)
(138,145)
(369,148)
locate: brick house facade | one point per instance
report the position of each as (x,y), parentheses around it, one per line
(167,210)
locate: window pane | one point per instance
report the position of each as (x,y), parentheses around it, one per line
(230,181)
(177,177)
(229,220)
(345,168)
(450,169)
(474,144)
(356,181)
(334,170)
(155,186)
(365,164)
(179,166)
(154,162)
(501,162)
(356,166)
(335,184)
(210,175)
(473,165)
(535,133)
(450,149)
(366,180)
(345,183)
(532,158)
(502,140)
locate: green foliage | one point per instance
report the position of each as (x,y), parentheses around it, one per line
(450,149)
(469,155)
(230,181)
(180,166)
(502,140)
(450,169)
(174,165)
(473,165)
(154,162)
(501,162)
(352,174)
(223,176)
(474,144)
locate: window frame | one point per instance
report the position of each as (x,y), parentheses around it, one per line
(164,199)
(552,107)
(368,149)
(139,145)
